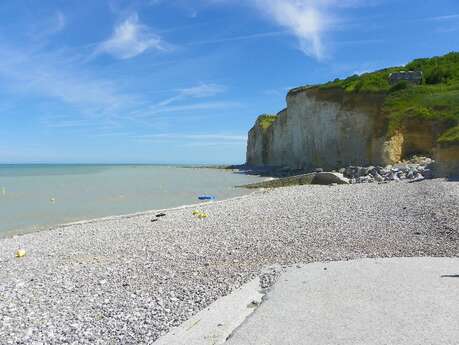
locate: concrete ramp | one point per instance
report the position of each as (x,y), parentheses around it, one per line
(362,302)
(213,325)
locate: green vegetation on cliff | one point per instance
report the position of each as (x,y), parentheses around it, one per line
(451,136)
(442,70)
(439,104)
(435,99)
(367,82)
(265,121)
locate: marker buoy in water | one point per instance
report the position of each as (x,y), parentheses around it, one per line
(206,197)
(52,200)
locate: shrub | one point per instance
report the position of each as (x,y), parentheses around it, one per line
(451,136)
(436,75)
(401,85)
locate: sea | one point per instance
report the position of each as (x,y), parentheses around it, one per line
(37,196)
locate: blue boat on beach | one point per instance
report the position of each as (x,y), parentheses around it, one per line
(206,197)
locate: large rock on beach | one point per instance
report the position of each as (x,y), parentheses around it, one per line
(328,178)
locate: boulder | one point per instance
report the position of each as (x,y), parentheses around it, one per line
(328,178)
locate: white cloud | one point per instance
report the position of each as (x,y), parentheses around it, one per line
(48,26)
(129,39)
(61,21)
(199,137)
(307,20)
(202,90)
(93,101)
(186,108)
(197,91)
(240,38)
(194,140)
(51,76)
(443,18)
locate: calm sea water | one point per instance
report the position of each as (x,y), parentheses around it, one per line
(35,196)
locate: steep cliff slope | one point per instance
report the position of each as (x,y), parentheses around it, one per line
(362,120)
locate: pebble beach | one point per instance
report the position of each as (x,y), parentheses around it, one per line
(128,279)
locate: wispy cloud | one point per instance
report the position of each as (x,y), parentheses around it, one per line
(198,91)
(129,39)
(49,26)
(155,110)
(88,100)
(241,37)
(184,101)
(59,122)
(61,21)
(305,19)
(91,101)
(443,18)
(203,90)
(308,20)
(80,122)
(205,136)
(194,140)
(48,74)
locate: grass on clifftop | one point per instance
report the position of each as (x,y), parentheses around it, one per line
(368,82)
(435,103)
(436,99)
(437,70)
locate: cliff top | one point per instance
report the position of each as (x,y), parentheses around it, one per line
(433,98)
(436,71)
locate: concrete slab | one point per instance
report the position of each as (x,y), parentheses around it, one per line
(213,325)
(369,301)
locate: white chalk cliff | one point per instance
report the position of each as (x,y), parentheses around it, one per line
(322,128)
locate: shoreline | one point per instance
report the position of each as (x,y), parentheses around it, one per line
(52,227)
(33,228)
(127,280)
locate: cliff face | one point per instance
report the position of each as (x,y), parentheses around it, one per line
(374,118)
(322,128)
(332,128)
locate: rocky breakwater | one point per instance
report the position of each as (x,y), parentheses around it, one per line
(416,169)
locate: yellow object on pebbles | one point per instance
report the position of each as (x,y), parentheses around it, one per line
(20,253)
(200,214)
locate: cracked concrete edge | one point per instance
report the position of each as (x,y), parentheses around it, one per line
(247,318)
(215,324)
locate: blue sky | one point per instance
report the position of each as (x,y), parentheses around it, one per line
(177,81)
